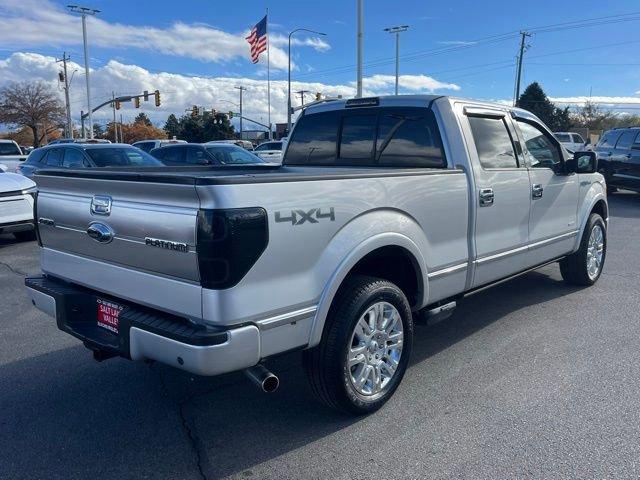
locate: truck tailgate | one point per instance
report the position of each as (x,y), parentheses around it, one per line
(152,227)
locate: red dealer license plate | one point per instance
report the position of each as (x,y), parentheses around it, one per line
(108,315)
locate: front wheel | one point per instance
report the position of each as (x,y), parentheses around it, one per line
(585,266)
(365,347)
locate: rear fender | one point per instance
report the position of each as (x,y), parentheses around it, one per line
(360,237)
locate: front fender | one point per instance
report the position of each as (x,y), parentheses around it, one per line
(361,236)
(596,192)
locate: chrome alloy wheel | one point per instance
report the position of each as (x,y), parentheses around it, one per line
(595,252)
(375,348)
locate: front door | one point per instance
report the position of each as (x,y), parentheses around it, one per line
(554,195)
(621,159)
(502,196)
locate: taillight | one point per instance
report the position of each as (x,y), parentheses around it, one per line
(35,218)
(229,243)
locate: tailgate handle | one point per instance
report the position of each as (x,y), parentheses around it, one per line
(100,232)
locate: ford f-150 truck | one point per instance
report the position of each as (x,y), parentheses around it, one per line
(386,210)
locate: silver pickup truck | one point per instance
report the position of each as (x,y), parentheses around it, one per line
(386,210)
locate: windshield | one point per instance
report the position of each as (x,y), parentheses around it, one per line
(232,155)
(9,149)
(122,157)
(563,137)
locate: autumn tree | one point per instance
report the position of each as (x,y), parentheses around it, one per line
(136,131)
(34,105)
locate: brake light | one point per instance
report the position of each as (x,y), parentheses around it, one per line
(229,242)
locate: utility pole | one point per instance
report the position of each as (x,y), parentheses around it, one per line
(397,30)
(301,93)
(523,38)
(242,89)
(84,11)
(82,124)
(113,104)
(64,60)
(121,133)
(359,46)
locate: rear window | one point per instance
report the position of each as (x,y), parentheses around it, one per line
(406,137)
(146,146)
(121,157)
(9,149)
(563,137)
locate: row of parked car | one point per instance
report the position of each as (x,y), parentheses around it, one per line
(16,170)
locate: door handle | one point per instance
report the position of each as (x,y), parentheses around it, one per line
(486,197)
(537,190)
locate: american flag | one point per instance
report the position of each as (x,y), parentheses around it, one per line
(258,39)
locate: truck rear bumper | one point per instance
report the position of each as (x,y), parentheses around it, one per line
(143,333)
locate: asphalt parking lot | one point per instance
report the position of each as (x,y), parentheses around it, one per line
(531,379)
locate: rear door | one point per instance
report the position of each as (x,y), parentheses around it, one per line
(621,162)
(502,195)
(554,195)
(634,165)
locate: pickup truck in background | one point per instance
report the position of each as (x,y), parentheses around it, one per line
(386,210)
(11,155)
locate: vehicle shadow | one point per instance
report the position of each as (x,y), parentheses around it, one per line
(624,204)
(69,416)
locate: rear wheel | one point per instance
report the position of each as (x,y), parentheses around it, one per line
(27,236)
(365,347)
(585,266)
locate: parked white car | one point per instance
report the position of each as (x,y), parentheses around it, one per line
(16,205)
(270,151)
(11,155)
(148,145)
(571,141)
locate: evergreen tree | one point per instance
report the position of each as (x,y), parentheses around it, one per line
(172,127)
(536,101)
(144,119)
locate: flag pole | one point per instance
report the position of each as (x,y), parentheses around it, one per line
(268,74)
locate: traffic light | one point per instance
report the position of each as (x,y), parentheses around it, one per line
(146,95)
(136,101)
(230,114)
(117,104)
(157,95)
(214,112)
(195,111)
(318,96)
(61,76)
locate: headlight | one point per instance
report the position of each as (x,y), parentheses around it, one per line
(30,191)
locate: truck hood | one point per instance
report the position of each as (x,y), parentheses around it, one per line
(12,182)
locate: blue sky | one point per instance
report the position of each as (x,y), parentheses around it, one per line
(446,50)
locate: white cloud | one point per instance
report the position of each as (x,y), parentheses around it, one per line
(609,102)
(413,83)
(180,92)
(37,23)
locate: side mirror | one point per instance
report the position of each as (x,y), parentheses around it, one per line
(582,162)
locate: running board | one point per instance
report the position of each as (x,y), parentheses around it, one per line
(437,314)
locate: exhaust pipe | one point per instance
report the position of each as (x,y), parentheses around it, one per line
(263,378)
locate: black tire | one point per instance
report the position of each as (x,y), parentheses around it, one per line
(27,236)
(574,267)
(326,364)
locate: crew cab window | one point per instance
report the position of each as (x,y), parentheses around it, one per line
(146,146)
(36,156)
(408,139)
(563,137)
(493,142)
(356,141)
(73,158)
(170,155)
(269,146)
(121,157)
(609,139)
(543,152)
(626,139)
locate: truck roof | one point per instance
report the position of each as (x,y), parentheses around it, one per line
(410,101)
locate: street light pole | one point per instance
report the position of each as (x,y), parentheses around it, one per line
(289,75)
(397,30)
(242,89)
(84,11)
